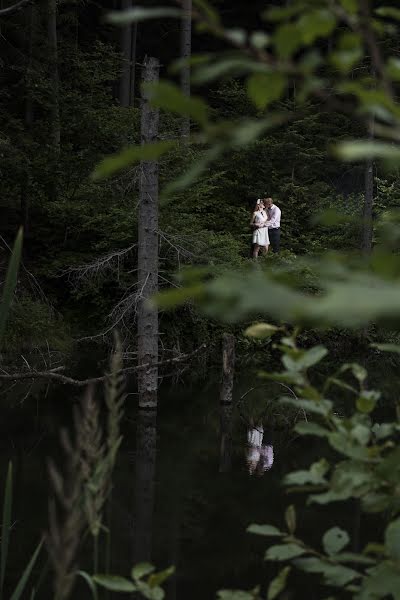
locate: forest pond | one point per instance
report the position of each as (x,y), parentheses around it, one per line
(172,506)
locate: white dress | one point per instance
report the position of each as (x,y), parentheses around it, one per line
(260,235)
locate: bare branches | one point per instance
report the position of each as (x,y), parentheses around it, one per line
(101,265)
(56,376)
(10,10)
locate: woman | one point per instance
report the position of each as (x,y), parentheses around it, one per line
(260,234)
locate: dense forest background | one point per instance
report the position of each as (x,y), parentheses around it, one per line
(64,105)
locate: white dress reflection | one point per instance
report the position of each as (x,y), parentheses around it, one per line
(259,456)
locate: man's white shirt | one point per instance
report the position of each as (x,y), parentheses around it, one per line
(274,215)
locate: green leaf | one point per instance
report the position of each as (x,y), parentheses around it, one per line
(196,169)
(208,11)
(230,66)
(115,583)
(235,595)
(393,68)
(318,407)
(395,348)
(131,156)
(267,530)
(392,539)
(236,35)
(290,518)
(284,552)
(264,88)
(259,39)
(350,6)
(388,11)
(158,578)
(287,40)
(359,150)
(316,24)
(345,444)
(352,557)
(335,540)
(366,402)
(357,370)
(382,581)
(335,575)
(278,584)
(19,590)
(6,526)
(142,569)
(261,330)
(10,282)
(314,476)
(140,13)
(169,97)
(305,428)
(312,357)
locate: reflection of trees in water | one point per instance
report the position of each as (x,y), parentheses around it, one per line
(146,444)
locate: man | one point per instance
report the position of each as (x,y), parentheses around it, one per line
(273,224)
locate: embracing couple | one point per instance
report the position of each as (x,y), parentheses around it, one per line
(266,223)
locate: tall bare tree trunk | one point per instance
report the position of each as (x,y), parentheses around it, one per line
(367,226)
(228,374)
(146,441)
(126,43)
(133,64)
(148,249)
(186,52)
(55,131)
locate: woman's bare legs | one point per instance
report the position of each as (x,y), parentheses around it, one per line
(265,249)
(256,250)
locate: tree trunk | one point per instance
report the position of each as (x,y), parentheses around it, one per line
(368,204)
(133,64)
(148,249)
(126,37)
(228,374)
(55,128)
(186,52)
(144,486)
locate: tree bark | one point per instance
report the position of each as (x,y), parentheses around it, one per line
(126,42)
(226,394)
(146,442)
(148,249)
(55,127)
(367,226)
(133,64)
(186,52)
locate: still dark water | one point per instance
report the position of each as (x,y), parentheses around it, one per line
(176,507)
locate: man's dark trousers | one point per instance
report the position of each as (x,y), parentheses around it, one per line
(275,238)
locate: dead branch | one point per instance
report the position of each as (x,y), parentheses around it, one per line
(14,8)
(55,375)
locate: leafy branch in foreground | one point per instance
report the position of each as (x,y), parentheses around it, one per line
(366,469)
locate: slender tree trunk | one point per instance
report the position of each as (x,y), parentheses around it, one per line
(367,227)
(148,249)
(133,63)
(228,374)
(126,44)
(186,52)
(144,486)
(55,127)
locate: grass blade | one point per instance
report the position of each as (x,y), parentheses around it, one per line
(10,283)
(5,527)
(19,590)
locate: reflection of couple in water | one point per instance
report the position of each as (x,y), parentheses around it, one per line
(260,457)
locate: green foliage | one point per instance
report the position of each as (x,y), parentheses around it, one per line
(143,580)
(363,468)
(6,526)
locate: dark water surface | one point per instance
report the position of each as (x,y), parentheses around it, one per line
(170,503)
